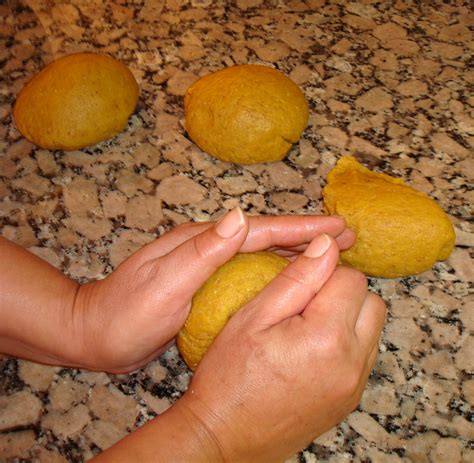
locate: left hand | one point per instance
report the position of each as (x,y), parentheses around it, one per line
(124,321)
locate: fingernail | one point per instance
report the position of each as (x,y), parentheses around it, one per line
(231,223)
(318,246)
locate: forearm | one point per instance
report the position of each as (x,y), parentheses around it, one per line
(176,436)
(36,302)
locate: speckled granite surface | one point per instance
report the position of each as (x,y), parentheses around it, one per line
(389,81)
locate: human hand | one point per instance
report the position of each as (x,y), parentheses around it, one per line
(130,317)
(289,365)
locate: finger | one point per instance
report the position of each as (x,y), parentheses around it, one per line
(185,269)
(265,232)
(172,240)
(340,300)
(372,358)
(365,373)
(374,353)
(346,239)
(369,366)
(371,321)
(288,293)
(289,231)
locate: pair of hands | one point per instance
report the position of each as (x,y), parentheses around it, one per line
(287,367)
(132,316)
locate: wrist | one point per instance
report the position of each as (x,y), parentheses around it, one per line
(37,326)
(178,435)
(231,430)
(70,329)
(85,325)
(205,444)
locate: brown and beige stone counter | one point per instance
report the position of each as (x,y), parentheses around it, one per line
(389,81)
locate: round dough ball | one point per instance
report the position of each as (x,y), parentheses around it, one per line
(223,294)
(400,231)
(76,101)
(245,114)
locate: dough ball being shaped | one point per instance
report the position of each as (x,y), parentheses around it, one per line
(400,231)
(245,114)
(76,101)
(223,294)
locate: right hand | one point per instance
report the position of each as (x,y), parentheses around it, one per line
(292,363)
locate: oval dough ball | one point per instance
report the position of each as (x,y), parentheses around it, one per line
(245,114)
(400,231)
(223,294)
(76,101)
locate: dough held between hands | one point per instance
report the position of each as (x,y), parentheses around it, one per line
(223,294)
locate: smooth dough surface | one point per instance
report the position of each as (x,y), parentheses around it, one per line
(76,101)
(246,114)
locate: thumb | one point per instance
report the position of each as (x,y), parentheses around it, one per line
(185,269)
(292,289)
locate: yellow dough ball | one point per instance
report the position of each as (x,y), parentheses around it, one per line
(223,294)
(76,101)
(245,114)
(400,231)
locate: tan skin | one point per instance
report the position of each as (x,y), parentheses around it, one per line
(287,367)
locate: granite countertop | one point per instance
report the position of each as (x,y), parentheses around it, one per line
(388,81)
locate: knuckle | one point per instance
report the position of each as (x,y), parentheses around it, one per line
(296,274)
(378,309)
(200,250)
(377,302)
(352,384)
(355,277)
(336,343)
